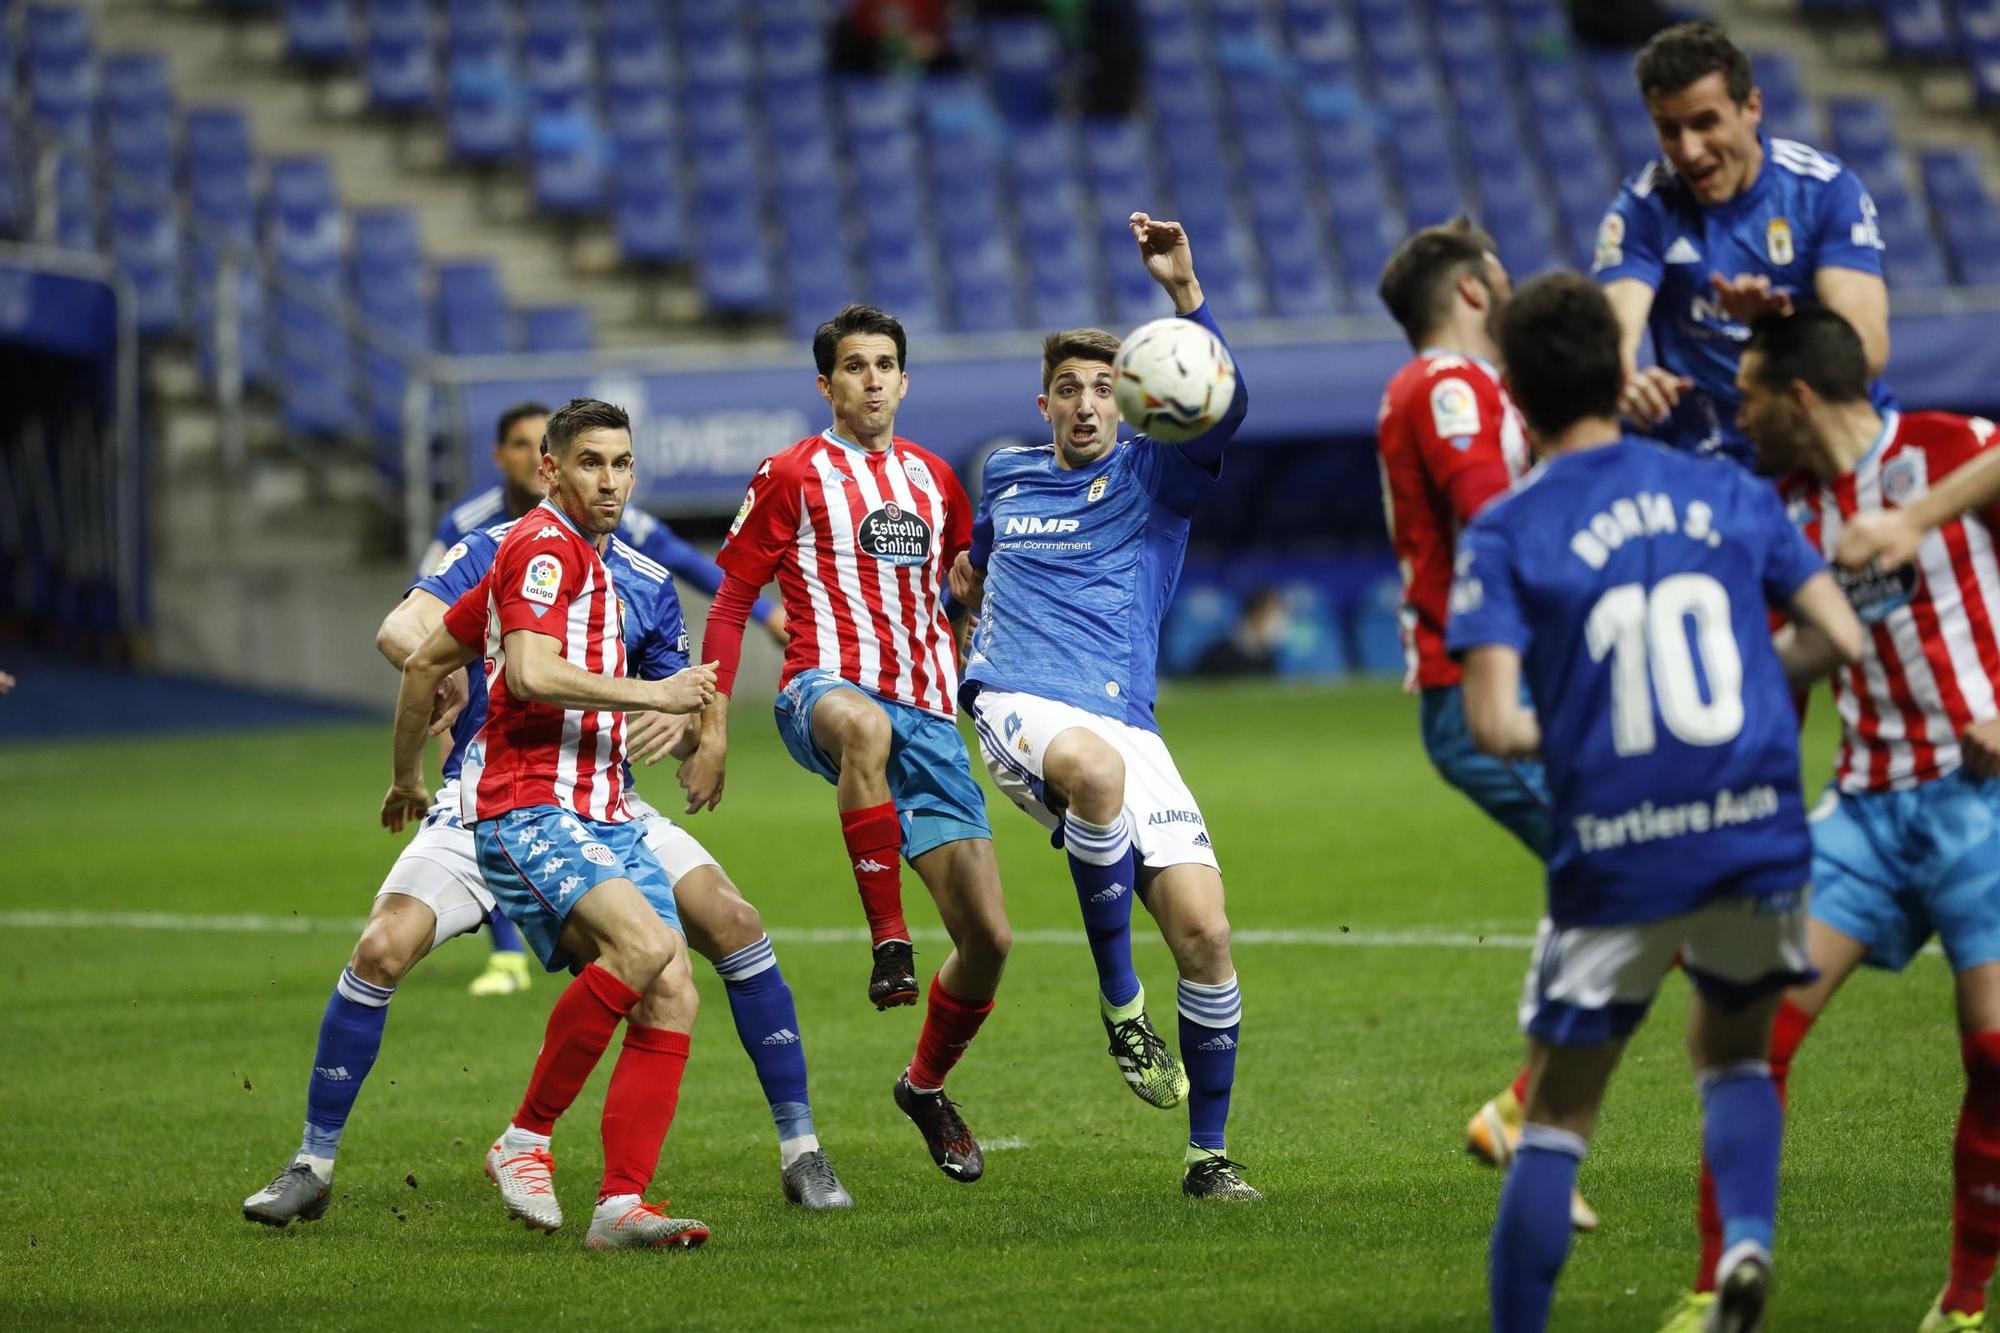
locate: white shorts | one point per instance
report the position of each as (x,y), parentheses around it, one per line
(1014,733)
(1591,984)
(439,867)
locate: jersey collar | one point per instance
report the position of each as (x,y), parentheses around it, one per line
(1890,420)
(1432,353)
(832,436)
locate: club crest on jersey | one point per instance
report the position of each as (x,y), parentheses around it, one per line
(895,536)
(1876,594)
(1454,409)
(1778,240)
(749,502)
(1097,488)
(1904,478)
(917,472)
(542,581)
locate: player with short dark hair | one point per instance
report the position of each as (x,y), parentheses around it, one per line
(517,451)
(858,527)
(1628,585)
(543,788)
(1075,555)
(1728,225)
(1906,841)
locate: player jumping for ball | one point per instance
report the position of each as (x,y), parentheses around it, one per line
(1060,683)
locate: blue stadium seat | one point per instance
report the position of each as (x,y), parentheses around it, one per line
(1921,28)
(566,154)
(386,264)
(146,245)
(61,72)
(732,262)
(557,328)
(471,308)
(482,114)
(1788,113)
(1862,134)
(400,61)
(727,62)
(1024,59)
(1295,267)
(634,56)
(476,27)
(1965,215)
(319,32)
(138,118)
(649,212)
(813,293)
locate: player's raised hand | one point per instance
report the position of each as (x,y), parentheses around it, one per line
(968,585)
(1746,298)
(1650,394)
(1168,257)
(405,804)
(651,737)
(1980,745)
(688,690)
(1887,538)
(452,693)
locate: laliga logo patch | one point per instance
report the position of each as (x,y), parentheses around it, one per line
(450,559)
(598,854)
(542,581)
(1610,243)
(1454,409)
(895,536)
(749,501)
(1097,489)
(1778,241)
(1903,478)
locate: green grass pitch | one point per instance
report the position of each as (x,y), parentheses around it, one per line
(150,1078)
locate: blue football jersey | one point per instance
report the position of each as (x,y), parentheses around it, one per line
(656,637)
(649,536)
(1804,212)
(1081,565)
(1635,581)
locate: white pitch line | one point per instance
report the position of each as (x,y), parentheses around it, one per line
(255,924)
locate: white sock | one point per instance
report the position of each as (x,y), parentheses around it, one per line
(520,1140)
(618,1203)
(321,1166)
(790,1150)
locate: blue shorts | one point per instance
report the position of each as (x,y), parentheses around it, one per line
(1515,792)
(930,778)
(540,861)
(1890,868)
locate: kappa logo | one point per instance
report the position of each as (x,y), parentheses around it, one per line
(598,854)
(541,845)
(782,1037)
(1112,894)
(567,887)
(1221,1041)
(1028,526)
(1988,1193)
(553,864)
(869,865)
(548,530)
(1682,251)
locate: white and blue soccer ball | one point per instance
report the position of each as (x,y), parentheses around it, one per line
(1173,379)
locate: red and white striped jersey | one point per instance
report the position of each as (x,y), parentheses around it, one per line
(860,543)
(1930,664)
(546,578)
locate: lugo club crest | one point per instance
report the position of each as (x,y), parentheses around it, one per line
(895,535)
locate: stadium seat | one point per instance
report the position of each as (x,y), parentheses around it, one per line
(62,78)
(482,113)
(648,209)
(319,32)
(1861,133)
(557,328)
(1023,57)
(1920,28)
(471,309)
(567,162)
(400,62)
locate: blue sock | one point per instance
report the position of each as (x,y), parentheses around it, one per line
(506,939)
(350,1037)
(1742,1129)
(1211,1018)
(1102,865)
(767,1022)
(1531,1235)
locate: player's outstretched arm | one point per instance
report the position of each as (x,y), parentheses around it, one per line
(703,771)
(1890,537)
(1650,392)
(436,658)
(1862,299)
(1500,724)
(537,670)
(1164,248)
(1824,634)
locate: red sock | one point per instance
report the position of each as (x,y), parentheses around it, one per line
(950,1024)
(1975,1177)
(639,1106)
(874,839)
(1520,1086)
(580,1027)
(1788,1029)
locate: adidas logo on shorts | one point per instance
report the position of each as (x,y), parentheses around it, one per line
(1201,839)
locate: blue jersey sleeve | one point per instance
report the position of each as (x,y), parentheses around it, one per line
(1485,607)
(1789,559)
(1205,450)
(1628,240)
(1848,234)
(981,549)
(461,569)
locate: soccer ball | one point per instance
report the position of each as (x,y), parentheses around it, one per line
(1173,379)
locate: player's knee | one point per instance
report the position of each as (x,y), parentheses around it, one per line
(383,955)
(640,958)
(672,1000)
(738,924)
(1201,946)
(865,736)
(1088,774)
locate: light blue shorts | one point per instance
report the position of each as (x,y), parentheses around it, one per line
(1514,792)
(1892,868)
(539,862)
(930,779)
